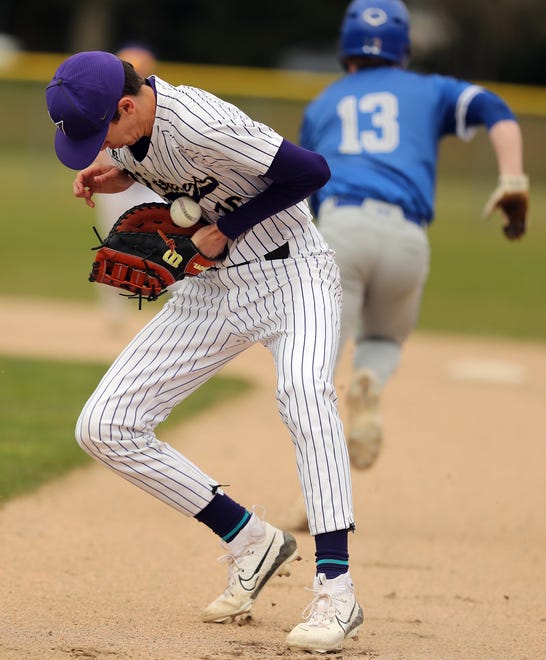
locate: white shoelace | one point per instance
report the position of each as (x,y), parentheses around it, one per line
(233,568)
(321,610)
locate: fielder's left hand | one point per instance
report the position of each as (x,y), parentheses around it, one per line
(511,196)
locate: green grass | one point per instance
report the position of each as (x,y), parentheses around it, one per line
(481,283)
(50,232)
(39,404)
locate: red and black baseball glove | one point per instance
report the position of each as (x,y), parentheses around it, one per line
(145,252)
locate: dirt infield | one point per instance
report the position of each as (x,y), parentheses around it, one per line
(448,557)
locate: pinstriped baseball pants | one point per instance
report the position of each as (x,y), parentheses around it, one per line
(292,307)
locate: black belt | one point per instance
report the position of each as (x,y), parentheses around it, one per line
(282,252)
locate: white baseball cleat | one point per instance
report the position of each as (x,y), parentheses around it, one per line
(365,435)
(263,552)
(332,616)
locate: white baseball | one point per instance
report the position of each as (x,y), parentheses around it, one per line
(185,212)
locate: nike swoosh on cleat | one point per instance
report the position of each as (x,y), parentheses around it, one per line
(344,624)
(254,576)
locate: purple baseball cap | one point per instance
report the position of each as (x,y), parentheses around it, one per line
(81,100)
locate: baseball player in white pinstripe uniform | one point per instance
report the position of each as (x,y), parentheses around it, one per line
(277,284)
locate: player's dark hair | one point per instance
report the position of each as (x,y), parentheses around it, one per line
(132,85)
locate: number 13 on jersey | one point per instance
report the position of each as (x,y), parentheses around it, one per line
(382,108)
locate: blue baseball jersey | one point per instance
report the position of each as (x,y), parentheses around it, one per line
(379,129)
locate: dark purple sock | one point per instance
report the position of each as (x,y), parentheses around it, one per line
(332,554)
(224,516)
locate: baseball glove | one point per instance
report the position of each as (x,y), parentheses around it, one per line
(511,196)
(145,252)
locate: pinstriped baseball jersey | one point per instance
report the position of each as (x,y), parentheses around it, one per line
(210,150)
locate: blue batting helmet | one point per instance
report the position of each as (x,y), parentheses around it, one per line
(376,28)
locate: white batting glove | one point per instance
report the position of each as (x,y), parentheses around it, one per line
(511,196)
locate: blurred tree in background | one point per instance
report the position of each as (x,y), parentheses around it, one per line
(497,40)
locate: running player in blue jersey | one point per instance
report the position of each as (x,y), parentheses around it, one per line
(379,128)
(276,283)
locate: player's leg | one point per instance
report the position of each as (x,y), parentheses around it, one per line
(391,312)
(356,250)
(153,374)
(350,233)
(304,347)
(165,362)
(393,301)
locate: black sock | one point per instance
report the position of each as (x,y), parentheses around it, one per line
(224,516)
(332,554)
